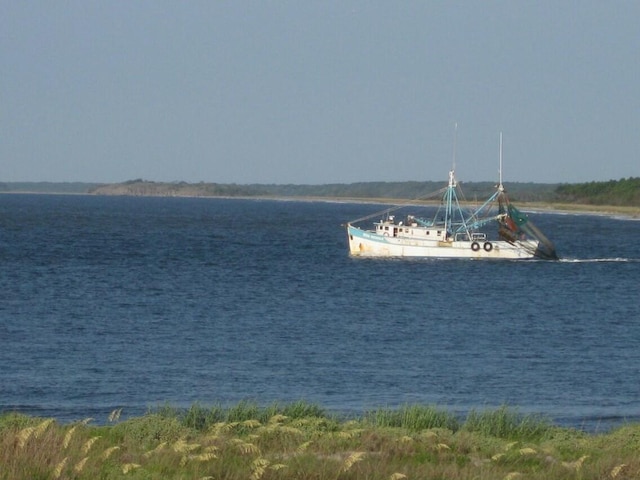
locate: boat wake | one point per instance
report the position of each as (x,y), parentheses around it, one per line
(600,260)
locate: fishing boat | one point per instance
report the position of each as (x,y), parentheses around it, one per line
(494,230)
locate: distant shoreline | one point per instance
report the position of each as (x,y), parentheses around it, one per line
(537,207)
(564,208)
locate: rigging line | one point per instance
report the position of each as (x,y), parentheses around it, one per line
(396,207)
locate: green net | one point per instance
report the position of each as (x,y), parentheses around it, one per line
(519,225)
(517,216)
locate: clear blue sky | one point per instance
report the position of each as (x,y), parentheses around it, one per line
(312,92)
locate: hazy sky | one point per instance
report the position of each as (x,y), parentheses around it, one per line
(318,91)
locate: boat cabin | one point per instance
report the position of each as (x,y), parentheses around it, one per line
(411,229)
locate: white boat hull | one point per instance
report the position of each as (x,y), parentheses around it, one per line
(363,243)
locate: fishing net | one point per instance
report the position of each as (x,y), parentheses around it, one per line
(516,225)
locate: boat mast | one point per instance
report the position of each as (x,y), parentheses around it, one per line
(452,183)
(455,141)
(500,186)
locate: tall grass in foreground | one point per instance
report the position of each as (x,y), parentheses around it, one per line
(300,440)
(506,423)
(502,423)
(413,417)
(201,418)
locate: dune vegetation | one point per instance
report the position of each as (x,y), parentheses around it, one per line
(301,441)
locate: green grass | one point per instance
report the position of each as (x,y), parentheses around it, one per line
(413,417)
(302,441)
(507,423)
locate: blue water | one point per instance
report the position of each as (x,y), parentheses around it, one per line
(124,302)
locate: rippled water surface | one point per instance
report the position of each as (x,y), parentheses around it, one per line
(137,302)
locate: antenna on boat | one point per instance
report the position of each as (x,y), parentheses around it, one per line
(500,186)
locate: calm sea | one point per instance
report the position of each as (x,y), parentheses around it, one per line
(135,303)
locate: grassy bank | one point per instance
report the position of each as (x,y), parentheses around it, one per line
(301,441)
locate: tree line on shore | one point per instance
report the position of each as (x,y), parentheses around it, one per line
(624,192)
